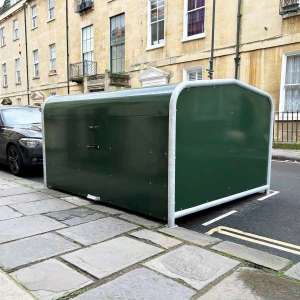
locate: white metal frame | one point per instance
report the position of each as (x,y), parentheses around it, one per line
(283,78)
(149,32)
(185,24)
(172,214)
(44,144)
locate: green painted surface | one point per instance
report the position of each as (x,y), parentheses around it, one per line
(222,143)
(130,168)
(115,145)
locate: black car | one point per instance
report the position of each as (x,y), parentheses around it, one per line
(20,138)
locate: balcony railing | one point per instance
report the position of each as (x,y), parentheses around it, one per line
(82,6)
(80,70)
(289,6)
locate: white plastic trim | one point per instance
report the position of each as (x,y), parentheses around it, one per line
(44,145)
(172,215)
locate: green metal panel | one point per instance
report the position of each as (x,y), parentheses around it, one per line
(130,168)
(222,143)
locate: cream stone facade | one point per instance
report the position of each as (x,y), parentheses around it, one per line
(267,41)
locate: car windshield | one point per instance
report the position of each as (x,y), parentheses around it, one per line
(21,116)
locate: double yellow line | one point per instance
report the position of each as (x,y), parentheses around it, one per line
(257,239)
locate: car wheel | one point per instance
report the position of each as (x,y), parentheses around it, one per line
(15,161)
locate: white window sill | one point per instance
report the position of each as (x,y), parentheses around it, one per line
(34,28)
(153,47)
(36,78)
(16,39)
(193,37)
(18,83)
(287,116)
(1,46)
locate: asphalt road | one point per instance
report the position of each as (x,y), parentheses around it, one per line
(277,217)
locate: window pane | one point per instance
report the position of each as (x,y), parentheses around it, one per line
(293,69)
(161,31)
(292,99)
(153,15)
(160,13)
(196,22)
(154,33)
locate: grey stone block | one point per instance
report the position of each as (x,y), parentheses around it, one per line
(294,272)
(195,266)
(42,206)
(140,221)
(190,236)
(26,226)
(50,279)
(76,216)
(156,238)
(97,231)
(10,290)
(28,250)
(23,198)
(105,209)
(7,213)
(15,191)
(140,284)
(104,259)
(77,201)
(252,255)
(252,284)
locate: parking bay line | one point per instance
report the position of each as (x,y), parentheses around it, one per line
(256,239)
(219,218)
(271,194)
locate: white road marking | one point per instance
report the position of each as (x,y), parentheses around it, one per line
(256,239)
(271,194)
(219,218)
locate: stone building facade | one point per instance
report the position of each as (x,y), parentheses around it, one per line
(76,46)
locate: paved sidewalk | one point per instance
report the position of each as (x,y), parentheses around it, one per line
(283,154)
(56,246)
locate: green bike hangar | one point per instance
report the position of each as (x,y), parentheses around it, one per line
(163,152)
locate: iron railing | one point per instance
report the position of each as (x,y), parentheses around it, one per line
(82,69)
(286,127)
(83,5)
(288,6)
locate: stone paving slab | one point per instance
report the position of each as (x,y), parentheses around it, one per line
(26,226)
(104,259)
(97,231)
(76,216)
(77,201)
(42,206)
(23,198)
(156,238)
(140,284)
(252,255)
(195,266)
(15,191)
(140,221)
(10,290)
(190,236)
(29,250)
(7,213)
(105,209)
(53,193)
(50,279)
(294,272)
(252,284)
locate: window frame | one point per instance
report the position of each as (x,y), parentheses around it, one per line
(2,36)
(186,37)
(51,9)
(190,70)
(149,28)
(18,71)
(34,18)
(36,64)
(16,30)
(123,66)
(4,75)
(52,59)
(282,101)
(87,69)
